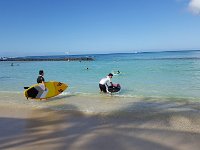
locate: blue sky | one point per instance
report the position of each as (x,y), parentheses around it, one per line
(41,27)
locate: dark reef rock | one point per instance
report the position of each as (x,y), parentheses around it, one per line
(50,59)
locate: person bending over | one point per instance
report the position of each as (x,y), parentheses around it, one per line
(103,83)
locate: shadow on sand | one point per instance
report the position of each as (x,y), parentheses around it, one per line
(145,129)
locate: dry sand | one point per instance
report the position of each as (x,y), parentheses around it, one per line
(24,128)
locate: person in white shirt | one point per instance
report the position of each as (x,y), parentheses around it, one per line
(103,83)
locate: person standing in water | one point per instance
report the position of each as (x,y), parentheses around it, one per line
(40,80)
(103,83)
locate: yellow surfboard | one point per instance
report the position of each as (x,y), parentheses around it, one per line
(51,89)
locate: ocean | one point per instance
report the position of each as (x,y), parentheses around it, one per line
(169,75)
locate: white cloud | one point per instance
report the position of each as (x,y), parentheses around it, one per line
(194,6)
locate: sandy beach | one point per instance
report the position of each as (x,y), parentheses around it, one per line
(25,127)
(99,75)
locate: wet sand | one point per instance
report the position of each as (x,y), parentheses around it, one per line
(27,128)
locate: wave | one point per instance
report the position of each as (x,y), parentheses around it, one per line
(129,96)
(115,95)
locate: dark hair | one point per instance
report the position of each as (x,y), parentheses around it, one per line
(110,74)
(41,72)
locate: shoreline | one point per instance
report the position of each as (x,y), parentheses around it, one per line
(102,104)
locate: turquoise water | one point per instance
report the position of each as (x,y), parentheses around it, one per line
(155,74)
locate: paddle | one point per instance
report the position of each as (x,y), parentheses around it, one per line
(26,87)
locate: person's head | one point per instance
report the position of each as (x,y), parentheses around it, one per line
(110,75)
(41,72)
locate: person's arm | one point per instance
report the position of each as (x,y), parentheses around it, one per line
(43,83)
(110,82)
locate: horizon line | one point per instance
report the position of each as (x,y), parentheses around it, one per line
(133,52)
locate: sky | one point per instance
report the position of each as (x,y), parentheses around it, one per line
(48,27)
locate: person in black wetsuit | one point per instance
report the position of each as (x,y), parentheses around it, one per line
(40,78)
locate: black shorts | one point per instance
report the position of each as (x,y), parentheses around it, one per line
(102,88)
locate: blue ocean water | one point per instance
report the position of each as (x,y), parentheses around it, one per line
(172,74)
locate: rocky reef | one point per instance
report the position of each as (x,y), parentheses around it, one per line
(48,59)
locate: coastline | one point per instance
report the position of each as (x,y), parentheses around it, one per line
(165,126)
